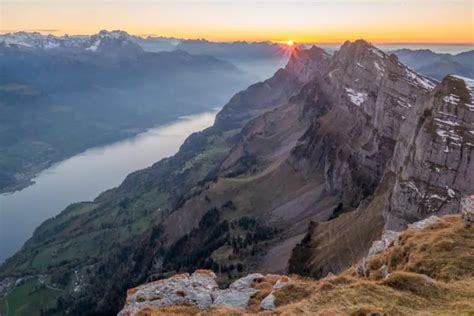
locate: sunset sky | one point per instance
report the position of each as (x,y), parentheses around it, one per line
(383,21)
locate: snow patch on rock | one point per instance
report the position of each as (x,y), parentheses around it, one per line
(356,97)
(421,81)
(469,83)
(94,46)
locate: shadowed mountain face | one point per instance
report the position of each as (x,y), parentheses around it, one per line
(438,65)
(60,96)
(342,144)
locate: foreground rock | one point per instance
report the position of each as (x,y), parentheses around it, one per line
(201,290)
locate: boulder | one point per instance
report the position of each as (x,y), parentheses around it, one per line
(238,294)
(233,298)
(424,223)
(467,210)
(389,238)
(268,303)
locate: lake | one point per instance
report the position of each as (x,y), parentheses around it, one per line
(84,176)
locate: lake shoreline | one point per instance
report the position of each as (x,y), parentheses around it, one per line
(26,178)
(84,176)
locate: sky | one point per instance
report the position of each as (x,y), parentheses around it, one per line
(315,21)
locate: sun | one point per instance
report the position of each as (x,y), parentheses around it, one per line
(288,47)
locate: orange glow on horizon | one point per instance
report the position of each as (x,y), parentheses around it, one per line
(285,22)
(328,38)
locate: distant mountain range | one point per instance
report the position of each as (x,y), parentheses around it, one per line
(258,58)
(438,65)
(152,44)
(50,42)
(246,55)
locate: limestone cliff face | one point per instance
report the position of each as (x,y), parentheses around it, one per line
(325,154)
(332,153)
(369,97)
(423,146)
(435,168)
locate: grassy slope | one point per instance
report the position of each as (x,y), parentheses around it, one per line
(81,234)
(29,298)
(431,273)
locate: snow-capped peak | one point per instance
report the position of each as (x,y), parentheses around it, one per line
(90,43)
(116,34)
(112,41)
(31,39)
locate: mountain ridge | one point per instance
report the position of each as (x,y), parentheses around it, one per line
(437,65)
(240,195)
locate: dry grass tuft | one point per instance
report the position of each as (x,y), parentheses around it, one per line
(444,251)
(265,286)
(364,310)
(188,310)
(414,283)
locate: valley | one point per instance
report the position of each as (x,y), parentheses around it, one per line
(65,183)
(94,90)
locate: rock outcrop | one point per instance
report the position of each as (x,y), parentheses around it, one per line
(199,289)
(389,239)
(434,165)
(468,210)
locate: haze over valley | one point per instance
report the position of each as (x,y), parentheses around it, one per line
(61,96)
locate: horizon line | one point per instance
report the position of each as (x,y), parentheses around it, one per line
(54,32)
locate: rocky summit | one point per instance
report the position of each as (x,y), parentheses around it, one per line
(299,174)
